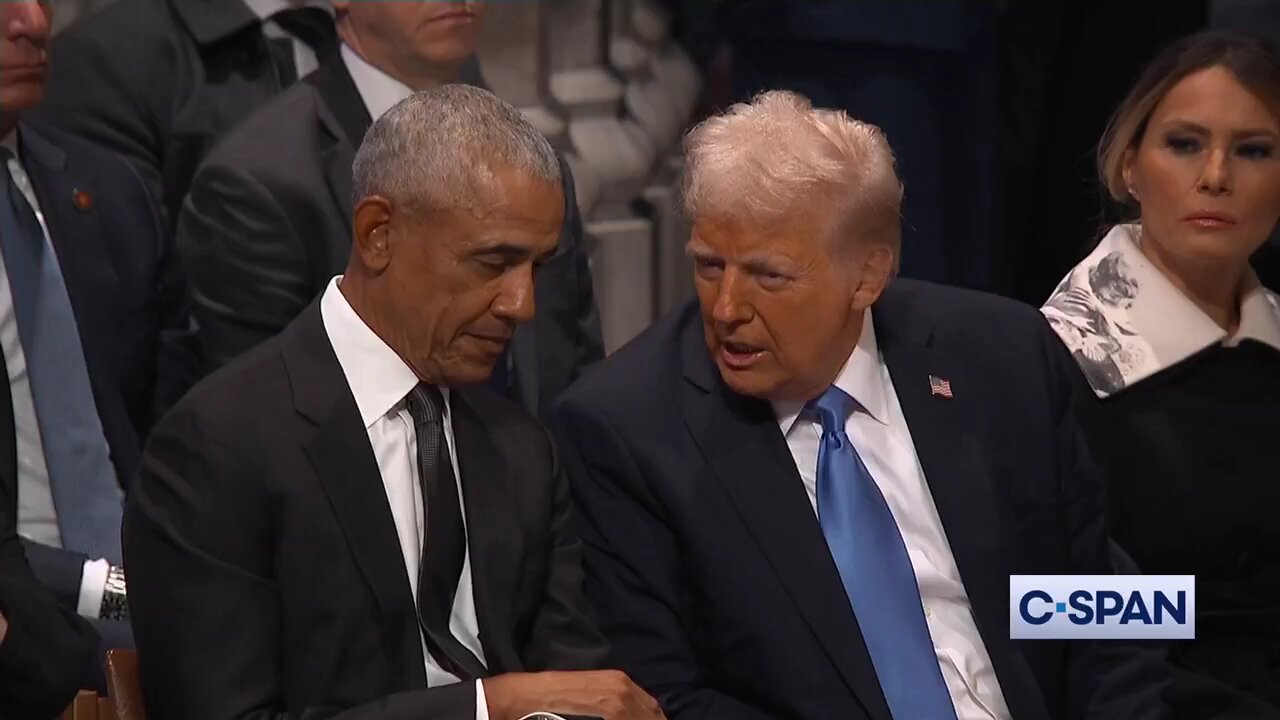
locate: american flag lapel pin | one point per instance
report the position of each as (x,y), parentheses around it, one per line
(938,386)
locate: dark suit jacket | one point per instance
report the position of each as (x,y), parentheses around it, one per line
(265,575)
(268,223)
(47,651)
(158,80)
(129,300)
(709,571)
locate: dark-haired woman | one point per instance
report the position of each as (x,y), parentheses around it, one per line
(1182,343)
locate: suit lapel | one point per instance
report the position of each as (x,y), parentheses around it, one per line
(741,441)
(946,433)
(487,496)
(343,460)
(346,118)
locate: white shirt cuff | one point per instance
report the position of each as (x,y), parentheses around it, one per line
(93,582)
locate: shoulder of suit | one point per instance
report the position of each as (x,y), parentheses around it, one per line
(241,394)
(286,126)
(109,170)
(147,25)
(648,369)
(956,308)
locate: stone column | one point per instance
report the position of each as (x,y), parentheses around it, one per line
(615,148)
(513,61)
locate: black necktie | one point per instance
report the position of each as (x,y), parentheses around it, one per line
(444,544)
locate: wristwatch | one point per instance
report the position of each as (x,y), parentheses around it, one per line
(542,716)
(115,598)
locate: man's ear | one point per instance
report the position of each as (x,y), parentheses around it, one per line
(371,233)
(875,270)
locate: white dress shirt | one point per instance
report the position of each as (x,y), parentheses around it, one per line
(304,57)
(380,380)
(883,441)
(37,518)
(379,90)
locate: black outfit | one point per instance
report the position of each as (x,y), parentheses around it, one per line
(268,223)
(266,577)
(707,566)
(159,80)
(129,301)
(1195,491)
(48,652)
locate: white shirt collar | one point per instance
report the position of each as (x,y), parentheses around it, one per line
(379,90)
(861,378)
(1125,321)
(378,377)
(264,9)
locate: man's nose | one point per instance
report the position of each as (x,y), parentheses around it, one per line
(729,308)
(515,301)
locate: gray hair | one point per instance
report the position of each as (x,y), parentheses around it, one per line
(770,157)
(437,149)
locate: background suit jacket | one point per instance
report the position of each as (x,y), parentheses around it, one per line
(265,573)
(129,301)
(268,223)
(48,652)
(158,81)
(708,569)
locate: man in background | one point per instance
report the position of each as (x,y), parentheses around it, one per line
(158,81)
(269,217)
(89,298)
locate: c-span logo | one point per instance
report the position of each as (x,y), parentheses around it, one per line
(1102,607)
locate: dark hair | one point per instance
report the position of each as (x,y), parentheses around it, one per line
(1252,59)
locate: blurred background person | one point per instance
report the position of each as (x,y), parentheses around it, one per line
(268,220)
(1182,343)
(89,293)
(158,81)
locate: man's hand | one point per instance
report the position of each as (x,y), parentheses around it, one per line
(608,694)
(4,627)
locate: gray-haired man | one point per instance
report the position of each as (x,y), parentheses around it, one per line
(343,523)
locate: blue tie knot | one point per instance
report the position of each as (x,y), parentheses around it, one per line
(832,407)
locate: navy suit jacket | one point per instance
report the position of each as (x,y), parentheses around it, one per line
(708,568)
(129,301)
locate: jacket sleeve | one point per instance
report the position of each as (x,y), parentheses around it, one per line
(48,652)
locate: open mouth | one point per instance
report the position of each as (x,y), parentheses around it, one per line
(739,356)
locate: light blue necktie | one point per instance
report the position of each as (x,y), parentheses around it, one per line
(81,477)
(876,571)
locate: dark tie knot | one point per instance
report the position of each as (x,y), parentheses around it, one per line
(832,409)
(426,404)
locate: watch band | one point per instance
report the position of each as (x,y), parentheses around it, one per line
(115,599)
